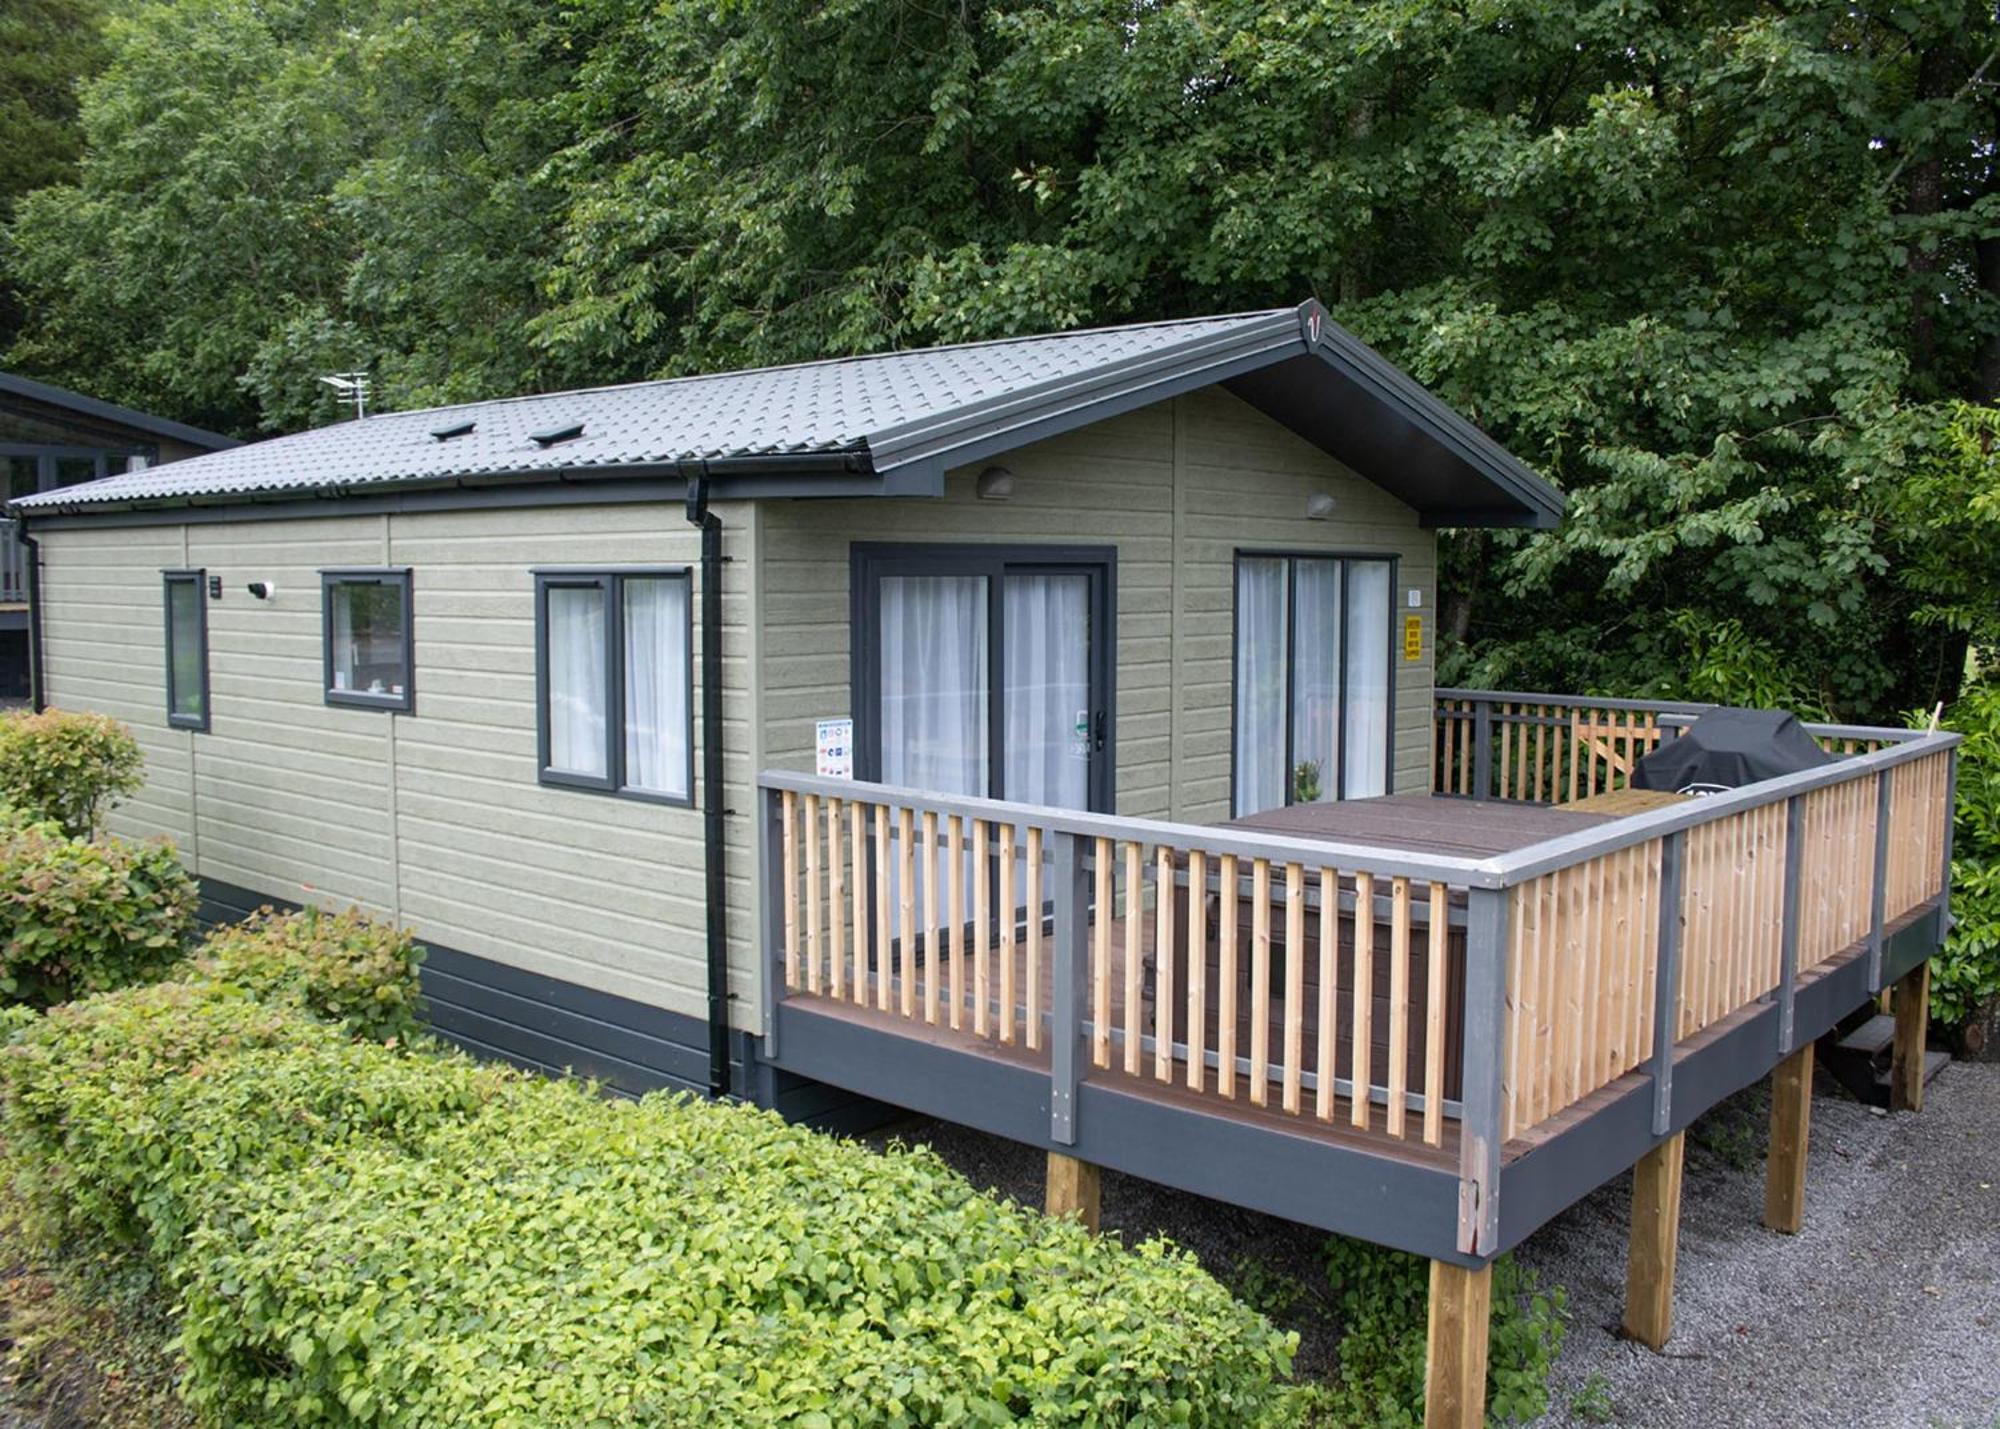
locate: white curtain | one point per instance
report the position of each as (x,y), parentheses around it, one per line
(1366,767)
(1260,684)
(656,686)
(184,609)
(934,673)
(1316,680)
(1046,690)
(577,683)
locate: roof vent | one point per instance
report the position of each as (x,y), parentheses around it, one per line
(557,434)
(456,429)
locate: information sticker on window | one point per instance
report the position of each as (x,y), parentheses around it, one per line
(835,741)
(1079,736)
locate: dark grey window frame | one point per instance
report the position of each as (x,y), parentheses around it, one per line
(869,561)
(404,703)
(199,580)
(611,580)
(1292,555)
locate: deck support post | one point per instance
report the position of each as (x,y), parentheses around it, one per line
(1455,1355)
(1791,1121)
(1667,978)
(1656,1233)
(1073,1188)
(770,843)
(1906,1056)
(1069,991)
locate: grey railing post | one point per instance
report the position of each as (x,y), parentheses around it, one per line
(1950,827)
(1482,748)
(1069,1052)
(1879,895)
(1667,978)
(770,858)
(1788,930)
(1485,1047)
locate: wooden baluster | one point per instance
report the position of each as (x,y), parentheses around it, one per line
(1327,1040)
(836,902)
(857,852)
(1575,751)
(954,881)
(1399,1005)
(1135,912)
(788,813)
(1100,1051)
(882,978)
(1163,966)
(1033,901)
(933,925)
(1434,1005)
(1295,983)
(1226,974)
(1006,933)
(1197,968)
(906,898)
(1260,981)
(1364,997)
(982,931)
(812,893)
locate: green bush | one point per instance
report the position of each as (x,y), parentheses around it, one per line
(70,768)
(1966,973)
(362,1235)
(349,968)
(1384,1298)
(78,916)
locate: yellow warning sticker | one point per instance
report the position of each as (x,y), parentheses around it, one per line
(1413,637)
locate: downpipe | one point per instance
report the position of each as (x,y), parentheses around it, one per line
(712,788)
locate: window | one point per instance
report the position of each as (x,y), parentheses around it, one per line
(613,681)
(365,616)
(187,649)
(1313,689)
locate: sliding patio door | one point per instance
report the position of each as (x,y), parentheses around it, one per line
(1313,706)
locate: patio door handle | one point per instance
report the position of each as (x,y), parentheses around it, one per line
(1097,732)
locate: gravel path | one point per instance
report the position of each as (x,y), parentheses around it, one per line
(1884,1311)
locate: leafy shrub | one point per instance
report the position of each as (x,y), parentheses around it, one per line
(1966,974)
(66,767)
(364,1235)
(349,968)
(78,916)
(1384,1298)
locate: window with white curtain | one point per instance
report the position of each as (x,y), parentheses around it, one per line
(1313,694)
(614,682)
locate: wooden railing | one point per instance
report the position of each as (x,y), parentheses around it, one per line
(1270,970)
(1454,1002)
(1557,749)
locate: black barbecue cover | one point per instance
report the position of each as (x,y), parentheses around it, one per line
(1726,749)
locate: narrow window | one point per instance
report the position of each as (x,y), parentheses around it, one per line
(187,649)
(1313,696)
(367,637)
(614,682)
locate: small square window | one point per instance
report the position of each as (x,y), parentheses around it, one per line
(613,682)
(187,649)
(367,633)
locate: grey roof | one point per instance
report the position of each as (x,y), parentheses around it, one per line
(111,412)
(888,424)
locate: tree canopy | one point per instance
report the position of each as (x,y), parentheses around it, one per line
(1728,272)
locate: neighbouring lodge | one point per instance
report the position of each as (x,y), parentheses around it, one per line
(1036,733)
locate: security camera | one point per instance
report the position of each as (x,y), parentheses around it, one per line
(263,590)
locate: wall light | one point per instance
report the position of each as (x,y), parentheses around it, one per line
(996,483)
(1319,506)
(263,590)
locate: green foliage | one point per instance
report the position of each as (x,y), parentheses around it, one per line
(80,916)
(1966,974)
(1384,1299)
(364,1235)
(1591,1402)
(1305,782)
(69,768)
(354,970)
